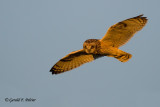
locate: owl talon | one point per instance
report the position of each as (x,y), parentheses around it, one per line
(124,58)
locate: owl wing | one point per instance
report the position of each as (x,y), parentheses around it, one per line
(72,60)
(120,33)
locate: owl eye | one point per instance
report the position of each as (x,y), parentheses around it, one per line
(92,47)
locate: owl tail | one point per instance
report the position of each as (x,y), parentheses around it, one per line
(123,57)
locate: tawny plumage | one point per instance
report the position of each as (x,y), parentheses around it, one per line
(116,36)
(121,32)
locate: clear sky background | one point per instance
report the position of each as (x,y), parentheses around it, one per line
(35,34)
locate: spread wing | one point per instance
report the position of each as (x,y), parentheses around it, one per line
(73,60)
(120,33)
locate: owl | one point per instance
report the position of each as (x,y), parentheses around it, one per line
(116,36)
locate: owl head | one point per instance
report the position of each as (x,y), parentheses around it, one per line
(91,46)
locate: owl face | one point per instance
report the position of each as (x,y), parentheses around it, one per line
(91,46)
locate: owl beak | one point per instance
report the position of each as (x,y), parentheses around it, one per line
(88,51)
(88,47)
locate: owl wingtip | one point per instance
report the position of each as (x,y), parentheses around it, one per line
(52,71)
(141,14)
(55,72)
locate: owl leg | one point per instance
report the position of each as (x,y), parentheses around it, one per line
(118,54)
(122,56)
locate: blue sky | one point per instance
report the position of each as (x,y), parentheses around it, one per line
(35,34)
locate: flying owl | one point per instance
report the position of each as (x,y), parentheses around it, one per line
(116,36)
